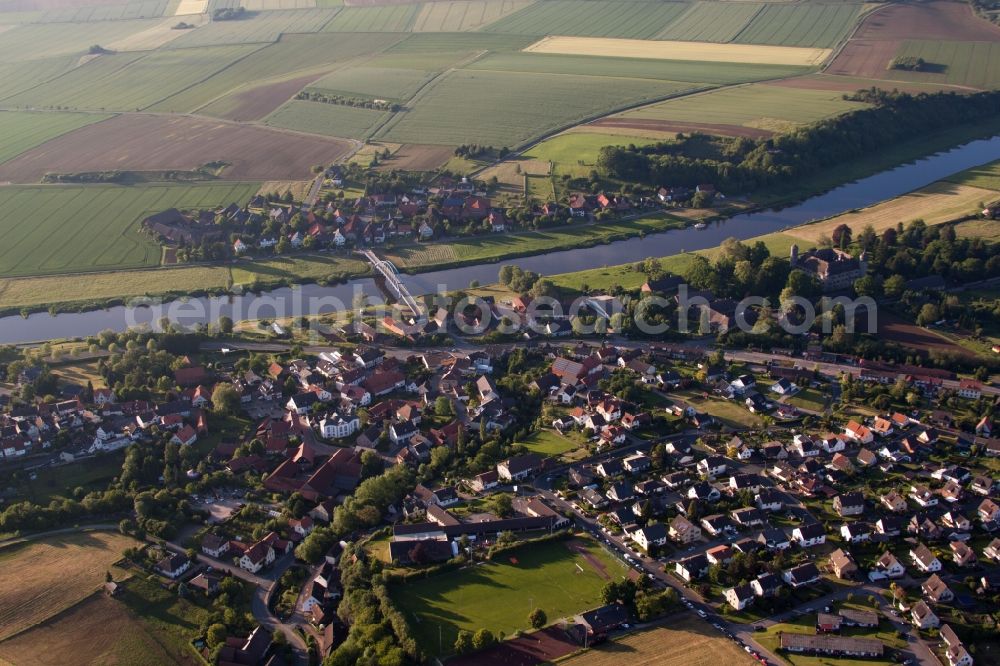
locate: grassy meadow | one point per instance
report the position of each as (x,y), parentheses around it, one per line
(499,595)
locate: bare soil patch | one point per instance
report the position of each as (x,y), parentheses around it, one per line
(580,549)
(141,142)
(255,103)
(928,20)
(544,645)
(868,58)
(670,127)
(416,157)
(894,328)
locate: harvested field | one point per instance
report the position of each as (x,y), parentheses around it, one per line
(597,18)
(756,105)
(82,631)
(666,127)
(153,37)
(866,58)
(934,204)
(256,102)
(510,174)
(464,15)
(24,130)
(539,647)
(28,573)
(675,50)
(927,20)
(685,642)
(416,157)
(334,120)
(146,143)
(189,7)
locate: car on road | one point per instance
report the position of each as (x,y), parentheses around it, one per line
(702,614)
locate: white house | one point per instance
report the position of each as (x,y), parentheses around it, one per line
(809,535)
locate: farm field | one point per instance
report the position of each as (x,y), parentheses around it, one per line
(463,15)
(416,157)
(986,176)
(97,227)
(811,25)
(36,41)
(559,580)
(19,76)
(137,9)
(258,28)
(711,22)
(540,189)
(382,18)
(596,18)
(493,247)
(130,81)
(298,267)
(157,35)
(677,50)
(510,174)
(76,561)
(292,57)
(378,82)
(759,105)
(23,131)
(43,291)
(504,109)
(575,153)
(986,229)
(938,202)
(327,119)
(254,102)
(136,142)
(972,64)
(684,642)
(429,50)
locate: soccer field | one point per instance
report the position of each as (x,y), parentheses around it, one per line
(499,595)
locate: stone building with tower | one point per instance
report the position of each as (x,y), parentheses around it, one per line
(834,268)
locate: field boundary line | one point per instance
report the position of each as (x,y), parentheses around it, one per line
(746,26)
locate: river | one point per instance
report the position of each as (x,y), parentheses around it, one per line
(314,299)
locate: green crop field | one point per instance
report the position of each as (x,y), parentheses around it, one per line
(463,15)
(379,82)
(291,55)
(136,9)
(23,131)
(508,108)
(263,27)
(18,76)
(327,119)
(974,64)
(756,105)
(32,42)
(986,176)
(711,22)
(387,18)
(593,18)
(575,153)
(702,73)
(131,81)
(60,229)
(499,595)
(455,45)
(811,25)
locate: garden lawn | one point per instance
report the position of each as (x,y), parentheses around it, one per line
(550,443)
(499,595)
(93,228)
(808,399)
